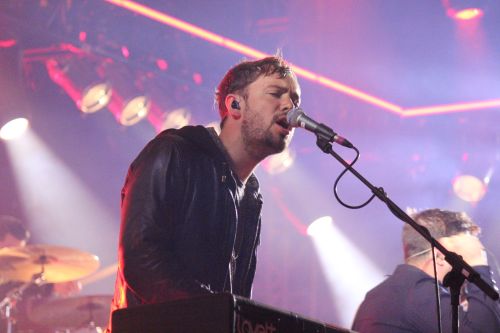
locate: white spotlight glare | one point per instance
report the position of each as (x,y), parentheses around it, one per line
(14,129)
(347,270)
(59,200)
(316,228)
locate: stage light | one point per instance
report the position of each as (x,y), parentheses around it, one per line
(80,79)
(470,188)
(197,79)
(135,110)
(129,111)
(464,10)
(14,129)
(489,174)
(177,118)
(6,43)
(162,64)
(160,117)
(125,52)
(128,104)
(14,104)
(82,36)
(468,14)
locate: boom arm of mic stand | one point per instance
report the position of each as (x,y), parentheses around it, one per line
(456,261)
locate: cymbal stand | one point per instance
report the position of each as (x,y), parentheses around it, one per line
(91,326)
(7,305)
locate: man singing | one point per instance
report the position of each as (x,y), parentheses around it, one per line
(191,207)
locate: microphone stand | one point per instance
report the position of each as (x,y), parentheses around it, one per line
(460,269)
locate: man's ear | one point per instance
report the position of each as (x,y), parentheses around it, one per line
(233,105)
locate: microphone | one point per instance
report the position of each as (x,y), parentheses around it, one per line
(297,118)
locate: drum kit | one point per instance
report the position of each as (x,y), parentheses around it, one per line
(33,266)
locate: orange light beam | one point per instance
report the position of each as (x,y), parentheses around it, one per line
(335,85)
(440,109)
(187,27)
(248,51)
(327,82)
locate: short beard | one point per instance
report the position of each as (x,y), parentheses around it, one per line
(259,143)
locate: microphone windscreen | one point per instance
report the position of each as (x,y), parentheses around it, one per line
(292,116)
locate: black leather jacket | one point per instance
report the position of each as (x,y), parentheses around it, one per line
(179,219)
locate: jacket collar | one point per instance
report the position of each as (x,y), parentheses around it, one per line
(208,140)
(201,136)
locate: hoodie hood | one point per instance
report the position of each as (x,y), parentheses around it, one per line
(201,137)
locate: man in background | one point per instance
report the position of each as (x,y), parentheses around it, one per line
(406,302)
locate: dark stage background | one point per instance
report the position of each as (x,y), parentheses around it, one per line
(64,178)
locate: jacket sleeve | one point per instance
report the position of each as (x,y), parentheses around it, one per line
(150,210)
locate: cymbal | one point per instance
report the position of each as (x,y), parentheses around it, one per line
(58,263)
(73,313)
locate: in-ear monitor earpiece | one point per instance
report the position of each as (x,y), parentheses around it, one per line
(235,104)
